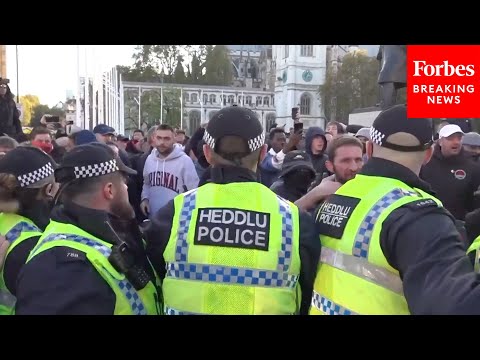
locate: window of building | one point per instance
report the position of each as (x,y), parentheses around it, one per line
(213,98)
(266,101)
(248,100)
(194,118)
(231,99)
(194,98)
(186,97)
(305,103)
(306,50)
(258,101)
(205,98)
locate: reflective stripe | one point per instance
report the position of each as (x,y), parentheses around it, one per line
(364,234)
(17,230)
(231,275)
(328,307)
(172,311)
(136,304)
(7,299)
(189,203)
(362,268)
(285,254)
(476,265)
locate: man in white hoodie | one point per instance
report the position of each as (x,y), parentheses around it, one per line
(168,172)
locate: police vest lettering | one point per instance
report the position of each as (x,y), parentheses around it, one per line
(164,179)
(334,213)
(232,228)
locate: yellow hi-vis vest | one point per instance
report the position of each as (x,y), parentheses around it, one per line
(128,300)
(475,246)
(16,229)
(353,276)
(233,250)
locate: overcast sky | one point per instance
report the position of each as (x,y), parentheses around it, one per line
(49,71)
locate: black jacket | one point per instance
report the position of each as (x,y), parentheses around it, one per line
(38,213)
(318,160)
(290,193)
(423,244)
(62,281)
(454,180)
(158,234)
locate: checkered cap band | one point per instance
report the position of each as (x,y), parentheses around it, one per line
(36,175)
(376,136)
(256,143)
(253,144)
(93,170)
(209,140)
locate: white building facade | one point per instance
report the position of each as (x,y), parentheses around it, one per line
(200,103)
(300,70)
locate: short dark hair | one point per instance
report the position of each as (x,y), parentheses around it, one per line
(338,126)
(233,150)
(140,131)
(275,131)
(8,142)
(165,127)
(339,141)
(39,130)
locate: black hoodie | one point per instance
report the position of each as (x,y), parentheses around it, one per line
(318,161)
(454,180)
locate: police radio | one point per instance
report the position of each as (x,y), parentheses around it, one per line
(123,261)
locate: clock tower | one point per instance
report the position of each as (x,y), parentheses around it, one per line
(300,70)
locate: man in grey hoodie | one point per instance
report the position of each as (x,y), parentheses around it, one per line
(168,172)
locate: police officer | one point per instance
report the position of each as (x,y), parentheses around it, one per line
(27,188)
(388,245)
(232,246)
(90,258)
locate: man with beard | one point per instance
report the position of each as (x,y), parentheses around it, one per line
(345,161)
(27,188)
(168,171)
(90,259)
(10,124)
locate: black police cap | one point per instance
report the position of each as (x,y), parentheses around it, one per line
(235,121)
(28,164)
(395,120)
(90,160)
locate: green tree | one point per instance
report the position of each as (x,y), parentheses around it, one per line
(29,102)
(179,74)
(353,85)
(40,110)
(218,67)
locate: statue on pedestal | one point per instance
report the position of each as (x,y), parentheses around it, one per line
(393,73)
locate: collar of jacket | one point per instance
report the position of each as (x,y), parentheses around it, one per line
(90,220)
(230,174)
(389,169)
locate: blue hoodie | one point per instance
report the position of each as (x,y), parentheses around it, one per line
(318,161)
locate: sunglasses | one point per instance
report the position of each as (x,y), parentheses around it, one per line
(3,86)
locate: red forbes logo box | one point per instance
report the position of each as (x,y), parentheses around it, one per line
(442,81)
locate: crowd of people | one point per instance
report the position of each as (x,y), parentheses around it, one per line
(236,220)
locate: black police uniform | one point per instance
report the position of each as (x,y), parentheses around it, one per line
(158,232)
(62,280)
(22,162)
(420,239)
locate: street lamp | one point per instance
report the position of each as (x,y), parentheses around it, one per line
(16,57)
